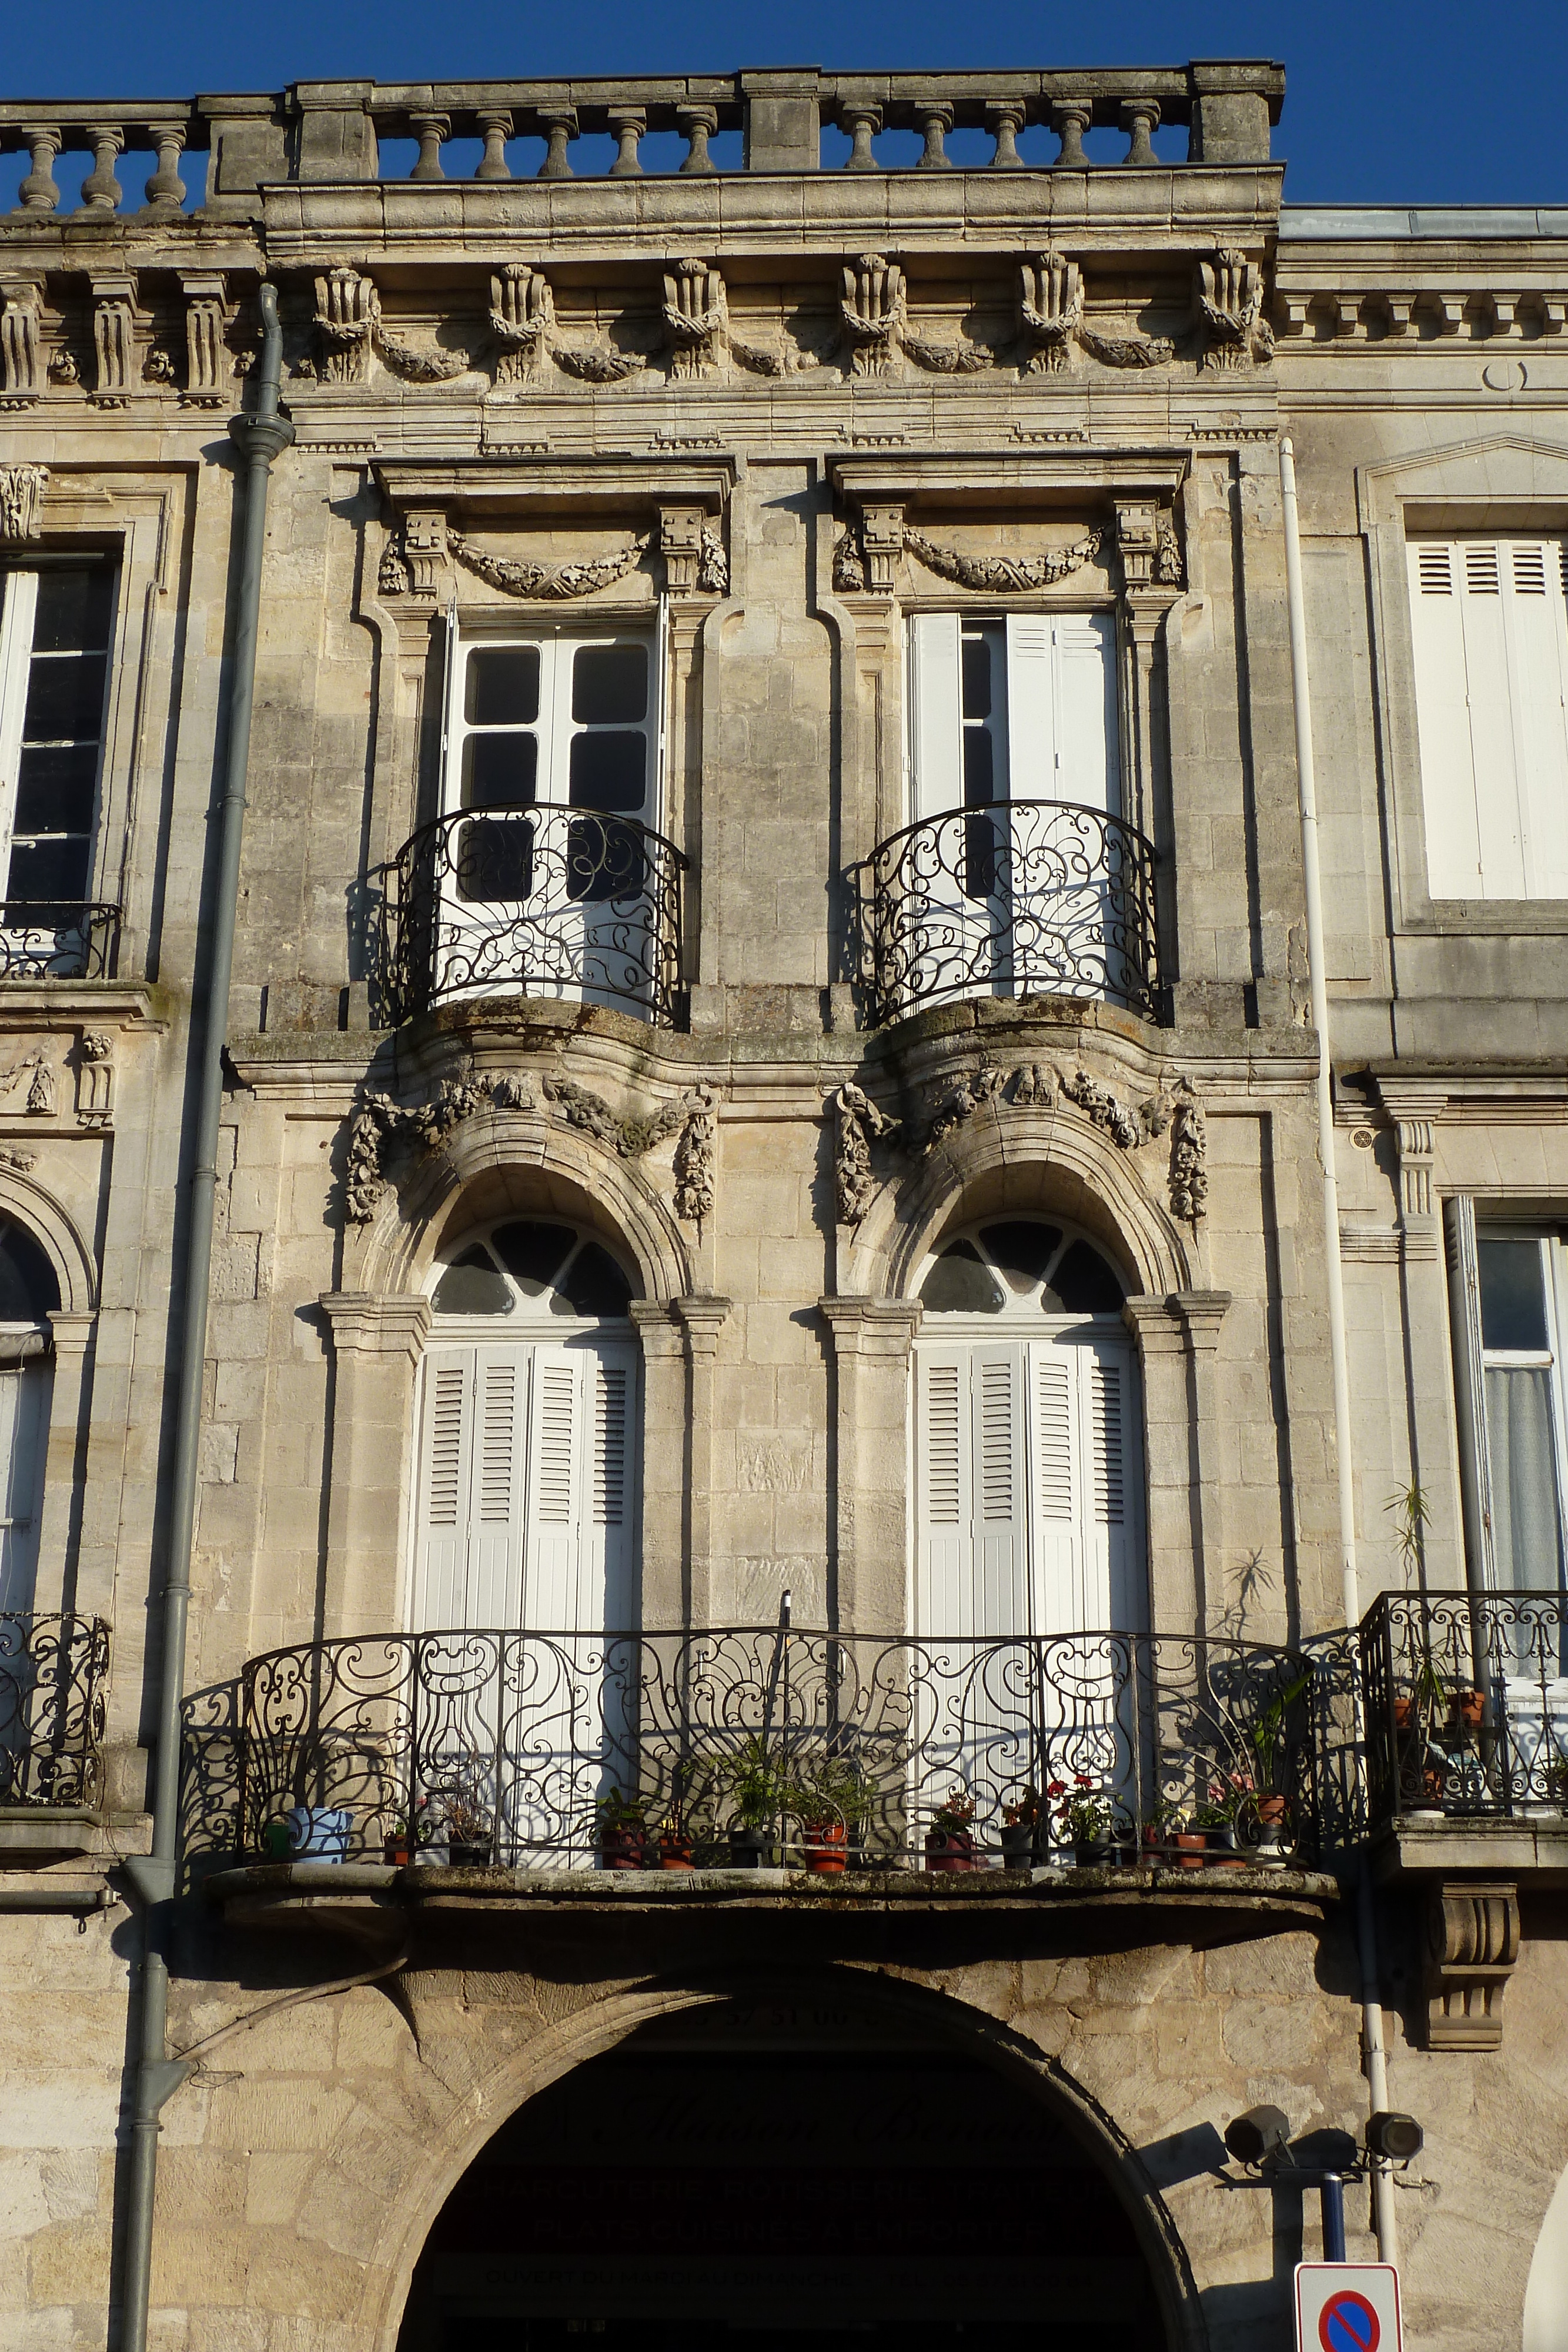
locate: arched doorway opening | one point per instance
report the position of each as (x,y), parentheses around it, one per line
(788,2173)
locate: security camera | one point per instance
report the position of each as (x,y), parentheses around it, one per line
(1258,2136)
(1389,2134)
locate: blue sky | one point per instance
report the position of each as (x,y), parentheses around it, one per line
(1387,102)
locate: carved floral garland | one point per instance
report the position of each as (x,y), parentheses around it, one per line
(553,580)
(999,574)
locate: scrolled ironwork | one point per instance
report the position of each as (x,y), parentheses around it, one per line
(1466,1697)
(545,900)
(523,1741)
(46,940)
(1010,898)
(54,1689)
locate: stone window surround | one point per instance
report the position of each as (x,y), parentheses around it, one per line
(1505,481)
(73,1324)
(1120,489)
(134,518)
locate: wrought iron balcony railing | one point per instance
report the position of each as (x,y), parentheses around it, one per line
(53,1688)
(46,940)
(1009,899)
(541,901)
(523,1748)
(1466,1698)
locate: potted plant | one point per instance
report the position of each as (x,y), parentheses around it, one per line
(674,1843)
(1086,1819)
(1021,1817)
(1267,1738)
(1161,1826)
(756,1789)
(400,1845)
(830,1799)
(620,1831)
(950,1839)
(1216,1820)
(467,1834)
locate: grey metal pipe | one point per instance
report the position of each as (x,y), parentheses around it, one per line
(260,436)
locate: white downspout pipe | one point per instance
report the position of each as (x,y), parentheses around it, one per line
(1311,877)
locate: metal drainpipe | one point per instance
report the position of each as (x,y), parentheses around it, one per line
(1366,1930)
(260,436)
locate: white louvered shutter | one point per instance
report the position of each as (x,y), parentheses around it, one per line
(441,1552)
(942,1489)
(1032,710)
(936,715)
(493,1585)
(1057,1482)
(556,1489)
(606,1598)
(1000,1602)
(1116,1546)
(1535,609)
(1448,802)
(24,1427)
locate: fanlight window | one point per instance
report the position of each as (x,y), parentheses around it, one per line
(1021,1268)
(525,1267)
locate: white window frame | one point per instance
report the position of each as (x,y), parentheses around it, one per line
(557,647)
(1467,1228)
(19,611)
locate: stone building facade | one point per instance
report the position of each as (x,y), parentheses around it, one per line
(770,1281)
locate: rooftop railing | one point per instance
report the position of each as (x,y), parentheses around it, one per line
(519,1747)
(335,132)
(54,1690)
(1466,1705)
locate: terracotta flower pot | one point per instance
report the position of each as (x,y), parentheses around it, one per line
(949,1850)
(620,1849)
(1403,1714)
(826,1847)
(1470,1706)
(398,1852)
(1271,1813)
(674,1853)
(1191,1847)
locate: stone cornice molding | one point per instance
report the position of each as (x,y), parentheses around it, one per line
(372,1323)
(1010,478)
(871,1326)
(703,1317)
(616,483)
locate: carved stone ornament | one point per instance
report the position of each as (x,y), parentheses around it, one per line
(1147,545)
(522,319)
(696,1158)
(692,1117)
(22,373)
(1472,1946)
(1229,298)
(40,1076)
(552,582)
(1030,1086)
(20,1160)
(1126,351)
(350,326)
(1003,574)
(1051,312)
(95,1076)
(874,315)
(113,342)
(693,552)
(22,491)
(208,366)
(381,1126)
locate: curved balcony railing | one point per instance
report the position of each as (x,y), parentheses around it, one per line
(46,940)
(545,1748)
(1467,1703)
(542,901)
(54,1689)
(1008,898)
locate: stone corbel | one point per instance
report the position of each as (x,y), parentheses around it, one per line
(22,491)
(1416,1113)
(692,548)
(522,319)
(207,366)
(95,1078)
(1229,299)
(425,551)
(113,340)
(696,318)
(1472,1944)
(1051,312)
(873,312)
(22,370)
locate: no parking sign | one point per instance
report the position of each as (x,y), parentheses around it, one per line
(1347,2307)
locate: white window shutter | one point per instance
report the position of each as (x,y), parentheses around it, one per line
(1448,799)
(19,591)
(441,1544)
(942,1489)
(606,1598)
(936,715)
(1088,736)
(1536,618)
(1057,1483)
(24,1435)
(1115,1532)
(1032,718)
(999,1568)
(493,1586)
(555,1484)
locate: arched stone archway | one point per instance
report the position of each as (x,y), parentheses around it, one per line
(914,2104)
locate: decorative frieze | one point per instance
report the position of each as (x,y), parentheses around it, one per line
(873,314)
(522,317)
(867,553)
(550,581)
(1051,312)
(22,491)
(348,327)
(381,1126)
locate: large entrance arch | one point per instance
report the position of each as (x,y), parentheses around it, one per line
(786,2173)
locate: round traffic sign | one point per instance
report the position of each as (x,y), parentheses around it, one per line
(1348,2324)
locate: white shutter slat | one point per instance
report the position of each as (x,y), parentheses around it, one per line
(552,1545)
(942,1574)
(1449,785)
(998,1600)
(494,1583)
(1115,1439)
(605,1595)
(1536,622)
(440,1558)
(1032,744)
(1056,1536)
(936,715)
(1105,1382)
(25,1393)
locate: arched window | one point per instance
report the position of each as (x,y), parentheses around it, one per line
(28,1295)
(525,1514)
(1029,1464)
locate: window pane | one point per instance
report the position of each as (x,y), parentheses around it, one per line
(608,772)
(1023,1250)
(980,768)
(609,685)
(594,1285)
(494,862)
(55,787)
(74,611)
(1513,1299)
(471,1285)
(532,1252)
(55,871)
(977,660)
(500,770)
(28,1290)
(1526,1525)
(501,687)
(961,1284)
(65,699)
(1084,1285)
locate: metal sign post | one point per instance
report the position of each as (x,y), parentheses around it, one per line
(1347,2307)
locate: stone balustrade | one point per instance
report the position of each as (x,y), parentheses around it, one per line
(335,131)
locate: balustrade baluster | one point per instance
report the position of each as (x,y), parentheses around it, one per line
(559,124)
(1139,118)
(697,125)
(430,130)
(165,191)
(627,124)
(495,128)
(935,120)
(1070,118)
(1005,117)
(39,192)
(862,122)
(100,191)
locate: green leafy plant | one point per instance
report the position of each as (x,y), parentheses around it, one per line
(1267,1735)
(1410,1509)
(614,1812)
(755,1784)
(1085,1815)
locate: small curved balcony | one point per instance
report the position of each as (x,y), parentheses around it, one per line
(54,1691)
(541,901)
(50,938)
(1008,898)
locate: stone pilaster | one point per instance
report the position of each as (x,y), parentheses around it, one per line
(377,1342)
(872,1339)
(661,1564)
(701,1319)
(1177,1341)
